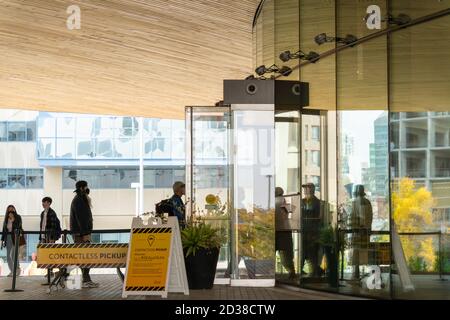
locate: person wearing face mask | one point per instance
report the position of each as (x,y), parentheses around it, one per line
(11,223)
(81,224)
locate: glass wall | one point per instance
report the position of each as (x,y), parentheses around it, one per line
(207,187)
(253,195)
(419,105)
(387,104)
(81,137)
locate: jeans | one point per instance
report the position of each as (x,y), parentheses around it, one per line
(10,251)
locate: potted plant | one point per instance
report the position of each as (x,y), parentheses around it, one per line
(328,240)
(257,241)
(201,245)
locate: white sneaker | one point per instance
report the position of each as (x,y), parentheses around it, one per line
(10,274)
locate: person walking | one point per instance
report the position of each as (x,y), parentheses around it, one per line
(11,223)
(50,224)
(81,224)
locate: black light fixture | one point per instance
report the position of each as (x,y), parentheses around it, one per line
(262,70)
(312,56)
(323,38)
(401,19)
(285,71)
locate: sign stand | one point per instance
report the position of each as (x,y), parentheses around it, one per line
(155,262)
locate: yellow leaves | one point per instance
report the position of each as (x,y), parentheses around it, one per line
(412,212)
(411,208)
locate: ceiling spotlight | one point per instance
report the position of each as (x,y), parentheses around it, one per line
(287,55)
(323,38)
(262,70)
(285,71)
(312,56)
(401,19)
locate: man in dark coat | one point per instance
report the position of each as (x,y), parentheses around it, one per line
(312,216)
(81,224)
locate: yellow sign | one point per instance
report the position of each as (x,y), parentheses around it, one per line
(83,254)
(149,259)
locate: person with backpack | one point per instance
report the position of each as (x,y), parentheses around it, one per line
(174,206)
(50,226)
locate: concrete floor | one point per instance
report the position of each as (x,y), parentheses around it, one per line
(111,289)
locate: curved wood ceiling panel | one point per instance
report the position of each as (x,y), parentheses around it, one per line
(130,57)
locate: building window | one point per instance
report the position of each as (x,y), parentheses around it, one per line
(315,133)
(17,131)
(316,181)
(3,132)
(21,178)
(3,178)
(315,157)
(35,178)
(154,178)
(16,178)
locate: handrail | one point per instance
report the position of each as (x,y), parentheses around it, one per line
(65,232)
(258,12)
(383,32)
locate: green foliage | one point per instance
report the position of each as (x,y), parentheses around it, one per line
(417,264)
(327,236)
(445,262)
(200,236)
(257,234)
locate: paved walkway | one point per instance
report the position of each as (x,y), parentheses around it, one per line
(111,289)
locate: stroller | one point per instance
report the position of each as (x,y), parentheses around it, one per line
(60,278)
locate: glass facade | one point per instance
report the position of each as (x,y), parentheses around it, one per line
(379,155)
(88,137)
(17,131)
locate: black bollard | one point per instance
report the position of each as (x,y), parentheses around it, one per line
(16,258)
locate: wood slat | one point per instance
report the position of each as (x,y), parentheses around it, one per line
(130,57)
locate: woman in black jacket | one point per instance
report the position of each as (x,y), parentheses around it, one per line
(81,224)
(11,223)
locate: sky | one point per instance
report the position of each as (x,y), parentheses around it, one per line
(360,126)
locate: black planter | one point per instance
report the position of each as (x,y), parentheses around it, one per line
(201,268)
(332,265)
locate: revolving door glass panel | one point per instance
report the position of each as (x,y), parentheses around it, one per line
(207,173)
(287,195)
(253,190)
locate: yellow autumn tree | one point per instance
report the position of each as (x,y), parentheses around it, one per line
(412,213)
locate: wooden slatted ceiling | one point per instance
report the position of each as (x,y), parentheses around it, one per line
(130,57)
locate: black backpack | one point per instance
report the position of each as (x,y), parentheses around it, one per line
(165,206)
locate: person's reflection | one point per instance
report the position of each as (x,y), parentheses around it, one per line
(311,224)
(283,235)
(361,225)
